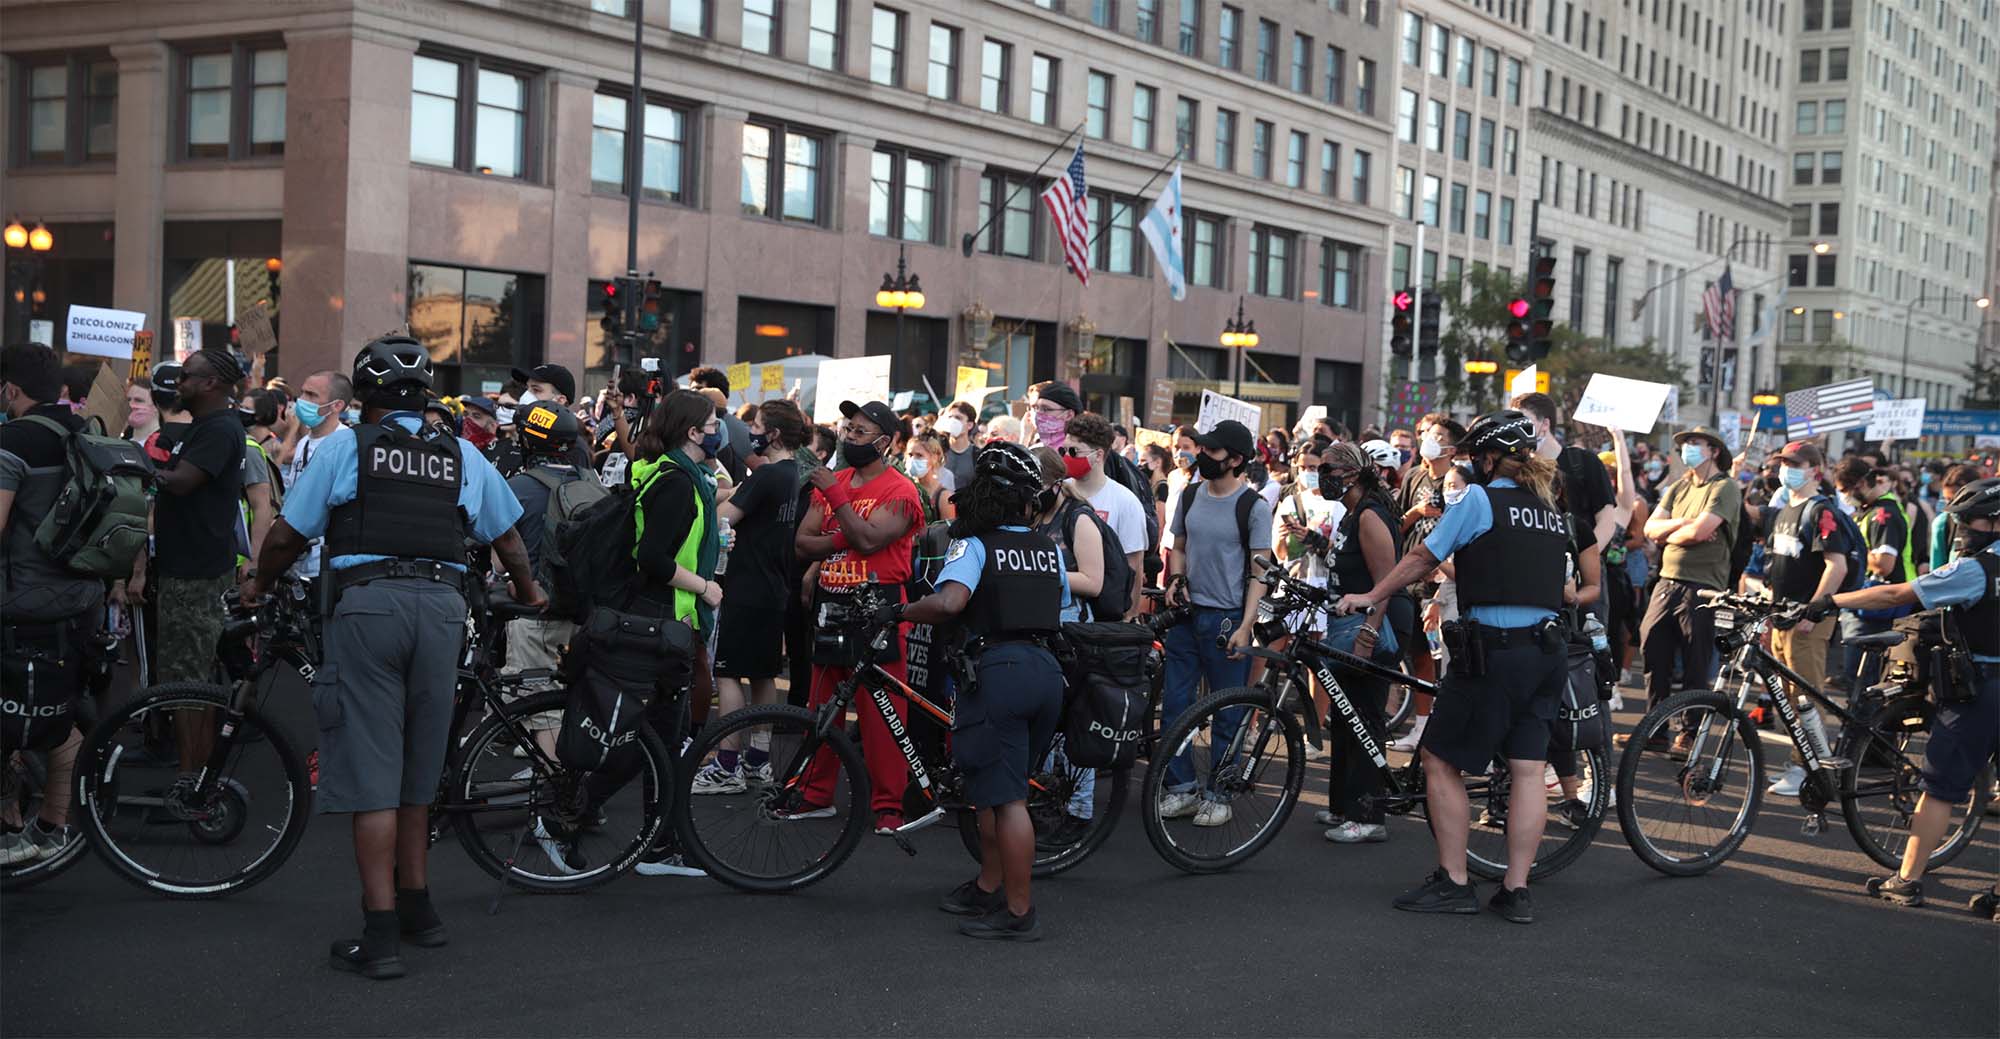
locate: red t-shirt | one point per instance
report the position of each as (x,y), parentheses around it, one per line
(844,569)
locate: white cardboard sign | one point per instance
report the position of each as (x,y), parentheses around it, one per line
(1632,405)
(1731,423)
(1524,382)
(859,379)
(1216,408)
(102,331)
(1896,420)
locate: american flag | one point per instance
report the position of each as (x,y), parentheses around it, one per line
(1718,307)
(1830,408)
(1070,207)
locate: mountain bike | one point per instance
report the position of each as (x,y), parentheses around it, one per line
(1687,805)
(740,839)
(520,814)
(1246,747)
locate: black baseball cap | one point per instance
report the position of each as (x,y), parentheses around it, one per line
(874,411)
(1230,435)
(554,374)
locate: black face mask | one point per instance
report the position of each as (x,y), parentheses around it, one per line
(1045,499)
(1480,474)
(1208,466)
(758,442)
(1971,541)
(860,456)
(1331,487)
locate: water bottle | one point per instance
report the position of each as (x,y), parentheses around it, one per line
(723,534)
(1595,629)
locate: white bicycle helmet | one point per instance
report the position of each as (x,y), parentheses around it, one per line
(1383,455)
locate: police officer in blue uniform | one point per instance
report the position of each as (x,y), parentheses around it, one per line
(396,500)
(1509,541)
(1007,586)
(1965,732)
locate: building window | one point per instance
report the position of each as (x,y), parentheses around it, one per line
(1482,214)
(1333,76)
(1613,267)
(1809,66)
(1824,269)
(1146,20)
(1413,39)
(1302,63)
(885,48)
(1329,169)
(1340,265)
(996,62)
(1506,220)
(469,116)
(1103,13)
(1229,39)
(1489,70)
(1359,191)
(1807,119)
(1440,49)
(1433,192)
(1802,168)
(782,169)
(1117,223)
(1014,198)
(1463,73)
(664,162)
(1835,116)
(902,196)
(1406,193)
(1457,211)
(688,16)
(942,82)
(1041,89)
(1270,262)
(1822,326)
(1829,218)
(824,35)
(1267,50)
(1461,135)
(1434,125)
(1144,101)
(58,131)
(234,104)
(1190,28)
(1836,64)
(1796,269)
(1829,167)
(478,325)
(1486,143)
(1406,115)
(1186,112)
(1097,106)
(1295,160)
(760,26)
(1513,81)
(1225,139)
(1261,133)
(1364,86)
(1204,236)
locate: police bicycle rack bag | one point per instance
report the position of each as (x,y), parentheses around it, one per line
(1108,667)
(616,660)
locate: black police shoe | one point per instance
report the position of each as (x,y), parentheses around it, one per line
(1439,895)
(419,922)
(967,900)
(1066,833)
(1896,889)
(375,954)
(1002,925)
(1513,906)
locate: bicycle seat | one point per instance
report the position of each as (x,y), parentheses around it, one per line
(508,609)
(1882,639)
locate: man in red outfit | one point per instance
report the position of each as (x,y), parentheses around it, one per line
(860,527)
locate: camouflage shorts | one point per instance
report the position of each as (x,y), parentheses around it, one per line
(191,616)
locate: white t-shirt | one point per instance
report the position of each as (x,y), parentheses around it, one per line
(1316,514)
(1177,481)
(1120,510)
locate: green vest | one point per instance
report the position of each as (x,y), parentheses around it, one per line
(1909,566)
(688,556)
(243,502)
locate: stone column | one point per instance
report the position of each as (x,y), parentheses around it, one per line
(569,110)
(145,135)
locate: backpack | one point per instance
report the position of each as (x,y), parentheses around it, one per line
(1115,597)
(1245,503)
(927,552)
(1104,709)
(1857,546)
(618,661)
(1128,476)
(567,501)
(97,525)
(588,556)
(1580,722)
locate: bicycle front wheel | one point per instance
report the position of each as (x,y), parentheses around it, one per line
(230,832)
(1685,813)
(755,829)
(1563,839)
(1878,795)
(1074,810)
(536,824)
(1224,780)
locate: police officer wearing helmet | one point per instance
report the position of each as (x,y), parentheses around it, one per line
(396,500)
(1507,658)
(1965,733)
(1007,587)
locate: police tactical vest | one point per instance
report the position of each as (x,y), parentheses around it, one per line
(1980,622)
(1519,562)
(405,497)
(1020,590)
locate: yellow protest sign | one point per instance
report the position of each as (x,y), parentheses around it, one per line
(970,382)
(1148,437)
(1541,380)
(142,352)
(774,378)
(739,377)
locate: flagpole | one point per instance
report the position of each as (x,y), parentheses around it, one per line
(965,243)
(1099,233)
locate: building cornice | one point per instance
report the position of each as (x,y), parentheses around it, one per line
(1552,126)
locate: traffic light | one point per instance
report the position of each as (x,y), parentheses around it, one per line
(649,309)
(612,321)
(1541,305)
(630,291)
(1399,322)
(1428,316)
(1517,330)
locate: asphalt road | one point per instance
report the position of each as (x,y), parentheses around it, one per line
(1779,942)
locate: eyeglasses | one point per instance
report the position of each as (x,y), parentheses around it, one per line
(1074,451)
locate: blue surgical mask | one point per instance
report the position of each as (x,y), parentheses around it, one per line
(1793,476)
(1693,454)
(1309,479)
(917,465)
(1655,467)
(307,412)
(711,442)
(352,417)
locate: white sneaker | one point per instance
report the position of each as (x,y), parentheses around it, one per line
(1358,833)
(1316,752)
(1179,806)
(671,866)
(1212,813)
(760,776)
(1788,785)
(1409,740)
(558,855)
(16,848)
(713,779)
(1550,780)
(1326,817)
(1617,701)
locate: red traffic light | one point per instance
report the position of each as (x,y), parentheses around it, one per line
(1402,299)
(611,288)
(1518,308)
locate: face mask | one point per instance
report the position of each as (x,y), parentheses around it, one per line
(1655,468)
(505,416)
(1431,449)
(1184,458)
(248,418)
(951,425)
(1076,468)
(307,413)
(353,416)
(1793,476)
(1924,479)
(918,466)
(1971,541)
(1309,480)
(1403,454)
(1454,497)
(711,442)
(1693,454)
(860,456)
(1208,466)
(140,415)
(1053,429)
(477,437)
(759,442)
(1332,488)
(1045,499)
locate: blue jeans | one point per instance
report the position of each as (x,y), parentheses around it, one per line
(1192,654)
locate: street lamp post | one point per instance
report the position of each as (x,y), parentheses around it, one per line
(22,273)
(900,293)
(1903,378)
(1484,367)
(1239,335)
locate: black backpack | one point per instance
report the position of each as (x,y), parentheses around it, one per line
(1115,597)
(1104,710)
(1129,477)
(588,558)
(1857,546)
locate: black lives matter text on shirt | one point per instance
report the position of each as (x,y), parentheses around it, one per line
(432,466)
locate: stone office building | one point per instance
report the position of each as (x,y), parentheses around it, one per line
(460,168)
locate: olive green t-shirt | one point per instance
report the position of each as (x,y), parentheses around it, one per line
(1705,563)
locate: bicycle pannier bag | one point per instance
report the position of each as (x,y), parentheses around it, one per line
(1104,710)
(1580,718)
(617,659)
(39,683)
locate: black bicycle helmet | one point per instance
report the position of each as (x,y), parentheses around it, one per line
(1507,430)
(545,428)
(391,360)
(1976,499)
(167,385)
(1010,464)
